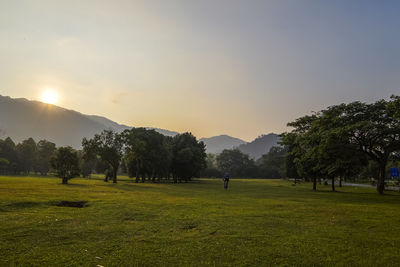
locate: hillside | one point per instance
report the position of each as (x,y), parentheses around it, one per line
(260,146)
(216,144)
(21,118)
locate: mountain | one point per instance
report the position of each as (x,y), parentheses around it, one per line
(21,118)
(108,123)
(121,127)
(218,143)
(260,146)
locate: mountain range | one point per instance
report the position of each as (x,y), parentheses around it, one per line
(218,143)
(255,149)
(21,118)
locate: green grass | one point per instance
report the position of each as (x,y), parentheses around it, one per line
(255,222)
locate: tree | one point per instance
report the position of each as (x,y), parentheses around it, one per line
(337,156)
(66,163)
(45,151)
(135,151)
(374,129)
(108,146)
(8,152)
(87,165)
(26,152)
(329,143)
(4,165)
(188,157)
(147,154)
(273,164)
(211,170)
(302,144)
(236,163)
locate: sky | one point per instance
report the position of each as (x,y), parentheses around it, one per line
(242,68)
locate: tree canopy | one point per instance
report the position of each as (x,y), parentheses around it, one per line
(339,140)
(66,163)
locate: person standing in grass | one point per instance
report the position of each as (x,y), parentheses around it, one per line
(226,180)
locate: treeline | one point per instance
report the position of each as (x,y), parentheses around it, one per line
(139,152)
(240,165)
(344,141)
(25,157)
(146,154)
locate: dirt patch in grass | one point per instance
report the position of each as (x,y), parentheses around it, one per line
(72,204)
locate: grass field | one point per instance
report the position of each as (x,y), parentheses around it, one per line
(255,222)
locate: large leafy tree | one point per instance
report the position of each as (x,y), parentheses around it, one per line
(136,152)
(188,157)
(331,143)
(236,163)
(66,163)
(302,145)
(147,153)
(273,164)
(336,156)
(8,152)
(4,165)
(108,146)
(26,152)
(45,151)
(375,130)
(211,170)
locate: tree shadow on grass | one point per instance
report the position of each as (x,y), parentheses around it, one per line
(15,206)
(76,185)
(21,205)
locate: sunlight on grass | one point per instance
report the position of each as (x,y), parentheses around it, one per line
(255,222)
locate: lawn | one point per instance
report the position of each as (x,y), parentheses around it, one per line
(255,222)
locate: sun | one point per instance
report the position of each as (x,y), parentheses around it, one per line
(49,96)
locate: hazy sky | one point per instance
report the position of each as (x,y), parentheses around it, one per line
(241,68)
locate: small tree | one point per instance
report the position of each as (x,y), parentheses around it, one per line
(66,163)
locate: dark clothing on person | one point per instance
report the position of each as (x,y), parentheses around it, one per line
(226,181)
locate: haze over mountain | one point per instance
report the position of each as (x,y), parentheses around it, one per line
(255,149)
(218,143)
(21,118)
(260,146)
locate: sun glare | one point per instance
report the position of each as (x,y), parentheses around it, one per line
(49,96)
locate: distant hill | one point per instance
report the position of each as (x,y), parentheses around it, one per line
(218,143)
(21,118)
(260,146)
(108,123)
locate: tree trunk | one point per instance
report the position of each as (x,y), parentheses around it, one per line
(115,171)
(380,186)
(137,175)
(333,184)
(64,180)
(314,184)
(340,181)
